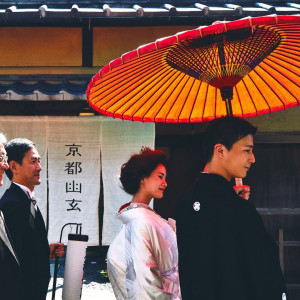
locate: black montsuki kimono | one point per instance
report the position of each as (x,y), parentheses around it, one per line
(225,252)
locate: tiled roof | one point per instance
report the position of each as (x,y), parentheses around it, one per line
(44,90)
(108,12)
(42,12)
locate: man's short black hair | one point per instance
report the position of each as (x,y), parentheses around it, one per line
(16,150)
(225,131)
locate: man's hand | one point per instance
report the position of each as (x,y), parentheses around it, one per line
(56,250)
(243,191)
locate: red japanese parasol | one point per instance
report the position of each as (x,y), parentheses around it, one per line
(245,68)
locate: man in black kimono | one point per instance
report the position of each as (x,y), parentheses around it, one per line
(225,252)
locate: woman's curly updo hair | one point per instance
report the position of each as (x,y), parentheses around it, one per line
(140,166)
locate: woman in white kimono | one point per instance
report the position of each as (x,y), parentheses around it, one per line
(142,261)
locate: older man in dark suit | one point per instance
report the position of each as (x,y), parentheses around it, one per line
(225,253)
(10,284)
(24,220)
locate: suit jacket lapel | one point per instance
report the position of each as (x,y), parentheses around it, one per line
(4,236)
(38,219)
(36,215)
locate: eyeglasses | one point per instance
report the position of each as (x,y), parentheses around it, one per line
(3,160)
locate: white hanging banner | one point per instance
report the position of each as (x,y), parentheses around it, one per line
(74,145)
(34,129)
(120,139)
(74,175)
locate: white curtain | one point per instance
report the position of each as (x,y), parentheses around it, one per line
(71,149)
(34,129)
(74,175)
(120,139)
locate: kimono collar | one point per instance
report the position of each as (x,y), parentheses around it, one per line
(129,211)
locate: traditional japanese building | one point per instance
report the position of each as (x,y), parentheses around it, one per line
(51,49)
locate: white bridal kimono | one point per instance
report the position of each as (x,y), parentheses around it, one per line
(142,261)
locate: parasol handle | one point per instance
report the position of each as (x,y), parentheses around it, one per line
(227,95)
(228,107)
(239,181)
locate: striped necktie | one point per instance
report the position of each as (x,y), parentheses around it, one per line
(33,200)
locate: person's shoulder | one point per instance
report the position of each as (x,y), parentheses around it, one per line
(138,215)
(144,227)
(197,186)
(12,196)
(6,196)
(11,191)
(149,221)
(207,187)
(148,217)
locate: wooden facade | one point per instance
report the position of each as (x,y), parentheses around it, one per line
(67,50)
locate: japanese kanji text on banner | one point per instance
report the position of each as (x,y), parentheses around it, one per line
(74,176)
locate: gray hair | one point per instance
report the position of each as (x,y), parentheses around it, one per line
(3,139)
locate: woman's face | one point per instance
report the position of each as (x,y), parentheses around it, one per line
(154,185)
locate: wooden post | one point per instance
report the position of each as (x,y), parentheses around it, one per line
(281,249)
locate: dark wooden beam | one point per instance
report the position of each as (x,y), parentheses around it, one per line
(279,211)
(291,137)
(87,44)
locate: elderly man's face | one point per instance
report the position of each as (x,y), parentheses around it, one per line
(3,163)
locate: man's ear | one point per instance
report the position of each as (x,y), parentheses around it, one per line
(219,150)
(13,165)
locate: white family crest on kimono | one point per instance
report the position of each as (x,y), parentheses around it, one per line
(142,261)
